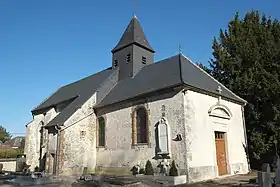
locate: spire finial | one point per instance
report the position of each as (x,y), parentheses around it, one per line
(134,8)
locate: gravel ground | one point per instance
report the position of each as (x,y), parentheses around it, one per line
(237,180)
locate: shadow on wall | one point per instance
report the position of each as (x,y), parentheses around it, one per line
(157,149)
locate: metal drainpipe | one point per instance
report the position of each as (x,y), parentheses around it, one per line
(56,161)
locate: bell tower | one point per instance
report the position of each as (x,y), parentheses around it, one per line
(133,52)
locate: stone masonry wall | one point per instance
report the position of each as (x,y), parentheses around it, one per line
(32,143)
(119,155)
(77,141)
(31,146)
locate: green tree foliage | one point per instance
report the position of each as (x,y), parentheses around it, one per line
(173,169)
(149,168)
(4,134)
(203,67)
(246,59)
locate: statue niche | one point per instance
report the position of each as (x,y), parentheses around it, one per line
(161,135)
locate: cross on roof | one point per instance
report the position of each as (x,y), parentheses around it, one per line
(219,90)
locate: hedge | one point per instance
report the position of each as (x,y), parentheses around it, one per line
(10,153)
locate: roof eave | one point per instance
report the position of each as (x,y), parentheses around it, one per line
(237,100)
(118,48)
(138,96)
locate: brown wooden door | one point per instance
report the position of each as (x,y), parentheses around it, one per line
(221,153)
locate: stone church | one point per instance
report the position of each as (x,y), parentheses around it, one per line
(139,110)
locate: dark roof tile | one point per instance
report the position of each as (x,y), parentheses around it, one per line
(133,34)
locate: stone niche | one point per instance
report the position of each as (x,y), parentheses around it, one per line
(162,139)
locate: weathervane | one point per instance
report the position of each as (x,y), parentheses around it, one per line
(134,8)
(180,49)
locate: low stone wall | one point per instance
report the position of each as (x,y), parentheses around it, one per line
(9,164)
(169,180)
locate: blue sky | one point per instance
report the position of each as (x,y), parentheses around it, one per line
(47,44)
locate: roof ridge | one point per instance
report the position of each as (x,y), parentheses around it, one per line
(213,78)
(93,74)
(105,81)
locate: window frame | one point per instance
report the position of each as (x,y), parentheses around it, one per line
(136,131)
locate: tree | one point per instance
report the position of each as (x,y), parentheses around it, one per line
(206,69)
(149,168)
(4,134)
(246,59)
(173,169)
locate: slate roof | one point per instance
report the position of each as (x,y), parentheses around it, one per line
(133,34)
(176,70)
(79,91)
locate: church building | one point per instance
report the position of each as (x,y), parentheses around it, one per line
(138,110)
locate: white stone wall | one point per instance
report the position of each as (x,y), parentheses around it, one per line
(32,143)
(78,148)
(8,164)
(118,152)
(202,151)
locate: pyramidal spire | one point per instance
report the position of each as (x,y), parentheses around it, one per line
(133,34)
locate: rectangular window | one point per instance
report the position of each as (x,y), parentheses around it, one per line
(116,63)
(101,132)
(219,135)
(128,58)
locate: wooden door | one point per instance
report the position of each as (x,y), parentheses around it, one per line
(221,152)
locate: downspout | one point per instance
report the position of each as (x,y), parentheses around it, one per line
(245,137)
(56,161)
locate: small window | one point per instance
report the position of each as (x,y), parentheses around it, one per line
(101,132)
(219,135)
(144,59)
(116,63)
(128,58)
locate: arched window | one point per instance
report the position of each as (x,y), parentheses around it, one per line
(220,111)
(141,125)
(101,132)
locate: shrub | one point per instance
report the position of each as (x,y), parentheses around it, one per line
(142,171)
(36,169)
(149,168)
(10,153)
(173,170)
